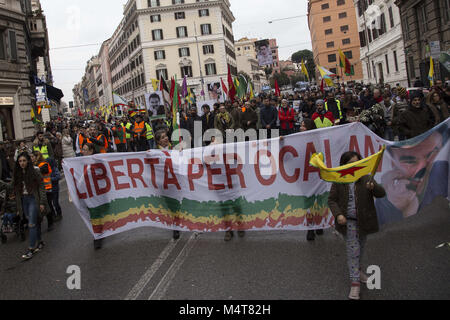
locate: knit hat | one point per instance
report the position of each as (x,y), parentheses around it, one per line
(320,101)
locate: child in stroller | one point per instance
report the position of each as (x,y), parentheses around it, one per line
(11,222)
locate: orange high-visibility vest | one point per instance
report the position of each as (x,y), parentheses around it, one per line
(117,140)
(105,148)
(138,128)
(47,177)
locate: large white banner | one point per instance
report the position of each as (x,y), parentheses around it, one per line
(257,185)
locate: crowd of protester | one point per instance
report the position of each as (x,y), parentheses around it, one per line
(392,113)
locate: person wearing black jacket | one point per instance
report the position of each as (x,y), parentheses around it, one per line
(269,117)
(190,124)
(207,118)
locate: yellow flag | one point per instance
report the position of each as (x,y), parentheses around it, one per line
(349,173)
(431,74)
(155,84)
(304,70)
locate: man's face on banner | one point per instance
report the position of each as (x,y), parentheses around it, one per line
(264,50)
(154,103)
(406,183)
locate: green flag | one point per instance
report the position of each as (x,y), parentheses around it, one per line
(242,90)
(175,104)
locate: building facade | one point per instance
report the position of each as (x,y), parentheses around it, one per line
(276,57)
(166,38)
(333,26)
(426,31)
(382,49)
(23,47)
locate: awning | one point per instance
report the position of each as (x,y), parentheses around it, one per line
(54,94)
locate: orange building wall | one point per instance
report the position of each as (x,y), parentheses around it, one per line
(317,29)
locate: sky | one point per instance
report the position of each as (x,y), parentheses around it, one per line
(85,22)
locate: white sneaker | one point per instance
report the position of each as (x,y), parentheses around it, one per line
(354,292)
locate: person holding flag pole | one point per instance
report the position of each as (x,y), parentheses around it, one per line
(352,204)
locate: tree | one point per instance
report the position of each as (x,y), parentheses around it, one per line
(308,57)
(282,79)
(297,78)
(268,71)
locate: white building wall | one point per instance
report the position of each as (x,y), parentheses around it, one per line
(375,52)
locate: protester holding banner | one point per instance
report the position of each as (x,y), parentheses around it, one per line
(353,207)
(119,134)
(417,119)
(322,118)
(163,143)
(223,121)
(31,200)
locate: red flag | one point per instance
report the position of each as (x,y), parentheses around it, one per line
(231,87)
(80,114)
(224,87)
(277,89)
(172,88)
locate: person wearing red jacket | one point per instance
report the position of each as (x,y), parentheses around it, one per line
(322,118)
(287,118)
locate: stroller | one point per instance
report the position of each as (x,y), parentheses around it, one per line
(10,222)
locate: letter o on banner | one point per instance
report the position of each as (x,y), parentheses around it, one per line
(273,165)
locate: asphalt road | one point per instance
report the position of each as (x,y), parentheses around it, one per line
(147,264)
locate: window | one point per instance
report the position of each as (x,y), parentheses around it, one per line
(423,16)
(177,1)
(412,71)
(184,52)
(210,69)
(391,17)
(344,28)
(179,15)
(332,57)
(387,63)
(186,71)
(327,19)
(161,73)
(209,49)
(347,40)
(382,24)
(406,27)
(330,44)
(157,34)
(369,32)
(203,13)
(446,15)
(12,45)
(182,32)
(2,47)
(153,3)
(206,29)
(328,31)
(340,2)
(348,54)
(160,55)
(325,6)
(342,15)
(395,61)
(333,70)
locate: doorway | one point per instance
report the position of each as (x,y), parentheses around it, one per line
(380,72)
(6,124)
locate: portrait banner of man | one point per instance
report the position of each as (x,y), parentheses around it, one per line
(215,91)
(154,101)
(419,173)
(264,53)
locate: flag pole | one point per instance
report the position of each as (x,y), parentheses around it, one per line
(374,171)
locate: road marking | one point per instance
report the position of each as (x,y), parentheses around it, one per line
(148,275)
(165,282)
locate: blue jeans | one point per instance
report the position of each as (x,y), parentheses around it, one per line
(389,134)
(31,212)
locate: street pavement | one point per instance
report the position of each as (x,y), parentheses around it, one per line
(147,264)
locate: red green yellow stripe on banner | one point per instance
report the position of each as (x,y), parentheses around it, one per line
(212,216)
